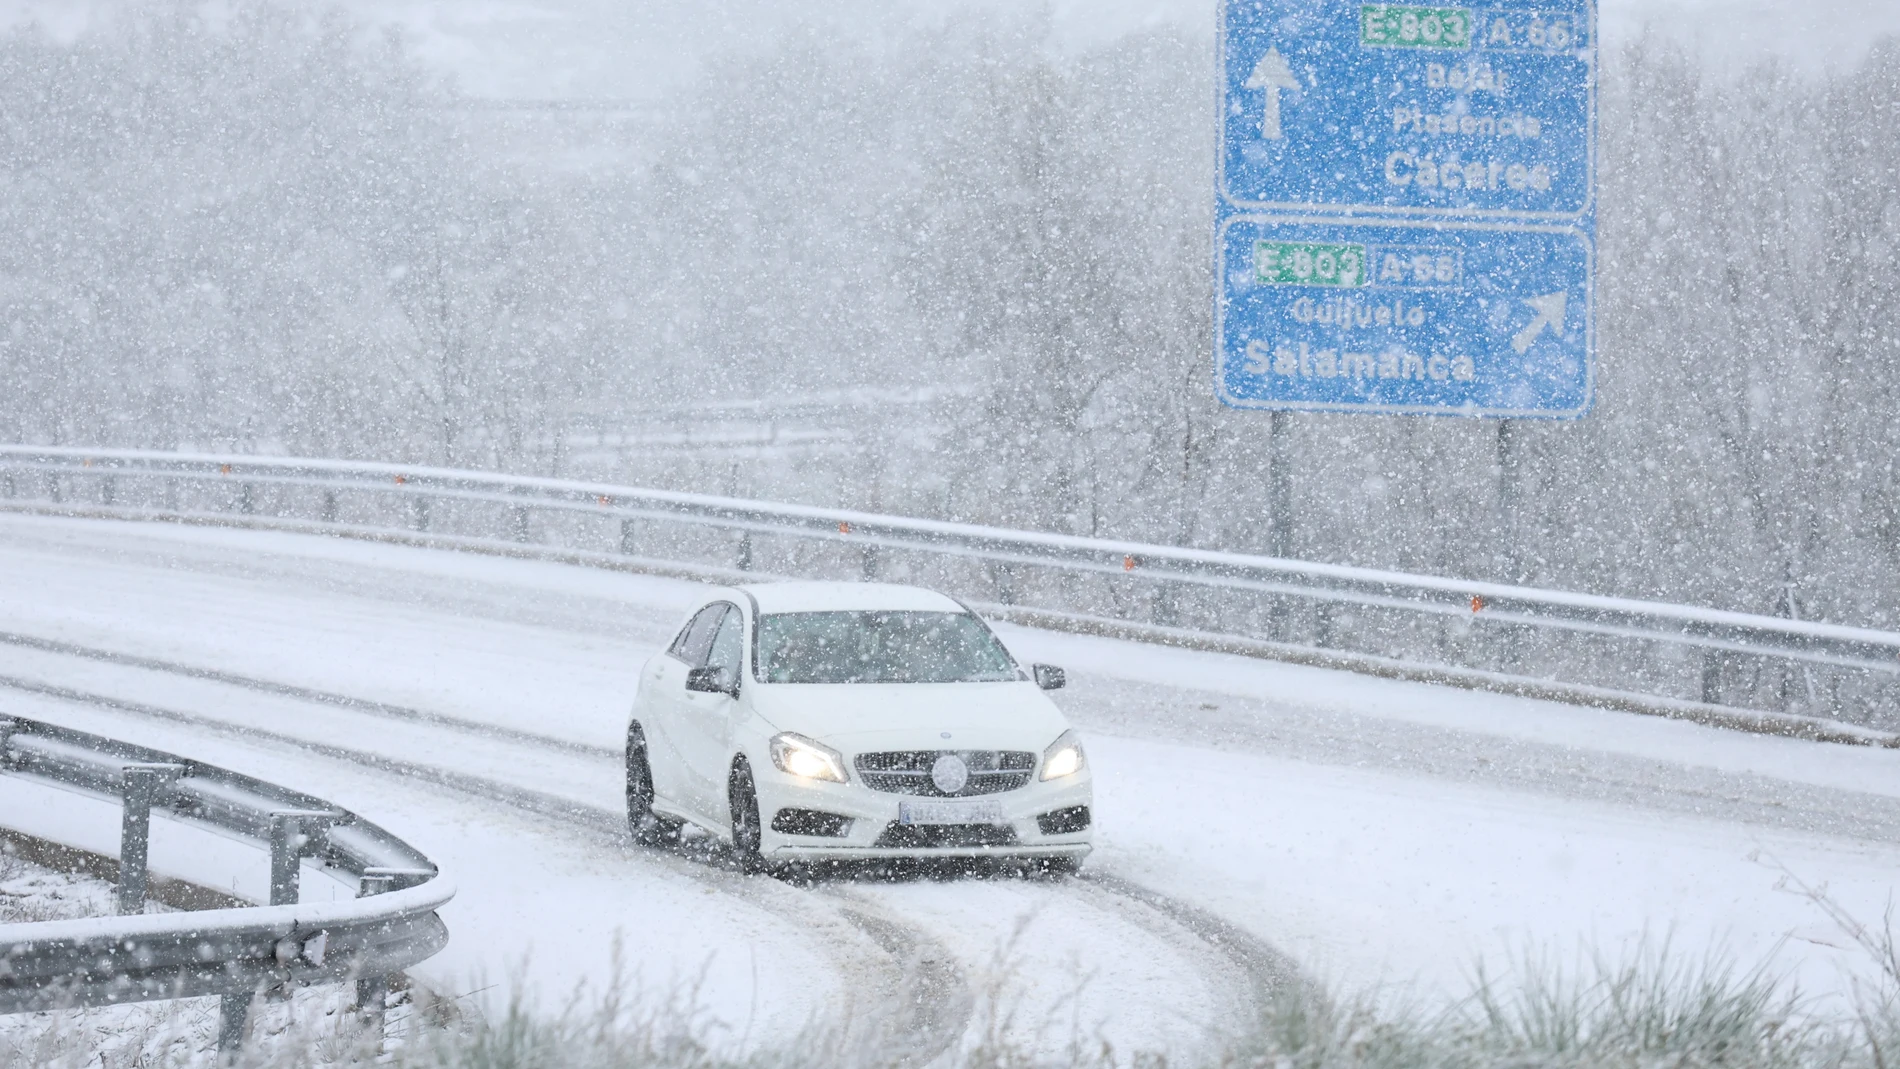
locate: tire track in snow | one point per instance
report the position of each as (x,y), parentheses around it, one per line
(932,1001)
(1069,964)
(1269,972)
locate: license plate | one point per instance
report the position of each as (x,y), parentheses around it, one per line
(959,812)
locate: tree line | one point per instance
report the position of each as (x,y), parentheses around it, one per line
(276,232)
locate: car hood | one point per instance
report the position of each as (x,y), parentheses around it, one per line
(857,717)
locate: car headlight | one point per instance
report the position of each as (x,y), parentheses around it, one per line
(806,758)
(1063,757)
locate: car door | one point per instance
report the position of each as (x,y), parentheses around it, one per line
(707,721)
(666,711)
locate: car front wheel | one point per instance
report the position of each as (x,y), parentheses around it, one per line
(648,828)
(743,800)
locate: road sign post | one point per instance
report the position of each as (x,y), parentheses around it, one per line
(1406,208)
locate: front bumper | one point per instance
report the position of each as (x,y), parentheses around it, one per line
(873,813)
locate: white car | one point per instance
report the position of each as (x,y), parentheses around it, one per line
(832,721)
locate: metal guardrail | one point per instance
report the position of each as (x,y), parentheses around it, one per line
(1588,648)
(240,953)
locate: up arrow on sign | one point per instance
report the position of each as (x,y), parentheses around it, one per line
(1272,74)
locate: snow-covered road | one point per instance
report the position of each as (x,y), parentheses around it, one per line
(1379,832)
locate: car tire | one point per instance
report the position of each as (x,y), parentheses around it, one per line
(647,827)
(742,799)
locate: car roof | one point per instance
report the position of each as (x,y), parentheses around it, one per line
(837,597)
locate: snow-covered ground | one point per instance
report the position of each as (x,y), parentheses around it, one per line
(1384,834)
(31,892)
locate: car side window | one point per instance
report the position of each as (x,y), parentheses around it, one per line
(696,637)
(728,644)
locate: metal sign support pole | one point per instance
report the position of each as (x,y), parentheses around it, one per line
(1508,561)
(1280,510)
(1280,486)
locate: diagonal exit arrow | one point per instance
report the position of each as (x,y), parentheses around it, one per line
(1550,310)
(1272,74)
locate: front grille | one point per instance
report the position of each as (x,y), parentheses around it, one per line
(908,771)
(925,836)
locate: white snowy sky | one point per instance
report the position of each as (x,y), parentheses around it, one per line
(629,49)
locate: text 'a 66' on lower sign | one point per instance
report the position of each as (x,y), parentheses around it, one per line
(1405,317)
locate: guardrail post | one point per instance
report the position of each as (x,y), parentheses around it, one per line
(745,551)
(1323,626)
(1166,613)
(245,504)
(234,1012)
(108,490)
(372,1004)
(286,853)
(871,562)
(628,542)
(1510,648)
(518,516)
(328,512)
(7,482)
(7,728)
(141,787)
(1712,664)
(294,835)
(418,513)
(372,992)
(52,487)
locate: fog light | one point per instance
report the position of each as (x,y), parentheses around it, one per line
(811,822)
(1064,821)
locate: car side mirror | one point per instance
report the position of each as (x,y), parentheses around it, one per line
(1049,677)
(712,680)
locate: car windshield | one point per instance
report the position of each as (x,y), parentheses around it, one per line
(880,647)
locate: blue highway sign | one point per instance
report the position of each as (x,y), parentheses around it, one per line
(1456,142)
(1405,317)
